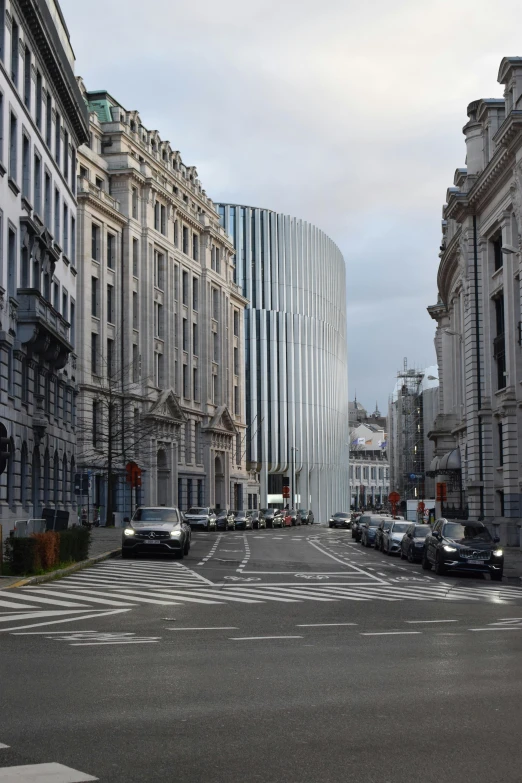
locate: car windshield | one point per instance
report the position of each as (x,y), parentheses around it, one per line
(387,525)
(341,516)
(197,511)
(422,531)
(461,531)
(238,513)
(155,515)
(374,523)
(400,528)
(223,513)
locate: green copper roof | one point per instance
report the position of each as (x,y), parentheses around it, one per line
(102,109)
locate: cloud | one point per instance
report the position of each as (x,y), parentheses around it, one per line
(346,114)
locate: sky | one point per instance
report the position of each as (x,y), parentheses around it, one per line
(346,114)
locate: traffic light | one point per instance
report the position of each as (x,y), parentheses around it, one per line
(5,448)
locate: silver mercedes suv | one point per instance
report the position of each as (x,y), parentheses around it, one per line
(157,530)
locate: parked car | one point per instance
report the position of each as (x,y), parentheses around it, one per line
(412,544)
(269,515)
(356,527)
(242,520)
(160,530)
(307,517)
(225,519)
(392,538)
(385,524)
(201,518)
(462,546)
(258,519)
(369,529)
(292,518)
(279,519)
(340,519)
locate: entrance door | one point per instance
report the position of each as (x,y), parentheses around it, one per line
(163,479)
(219,491)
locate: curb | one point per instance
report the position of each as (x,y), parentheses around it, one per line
(52,575)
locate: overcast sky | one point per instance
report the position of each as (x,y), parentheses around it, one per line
(343,113)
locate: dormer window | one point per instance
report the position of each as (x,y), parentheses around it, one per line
(132,126)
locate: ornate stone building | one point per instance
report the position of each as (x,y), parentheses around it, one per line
(478,432)
(160,324)
(43,120)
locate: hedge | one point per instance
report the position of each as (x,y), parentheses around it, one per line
(43,551)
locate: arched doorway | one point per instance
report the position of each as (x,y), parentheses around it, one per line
(219,485)
(163,478)
(37,511)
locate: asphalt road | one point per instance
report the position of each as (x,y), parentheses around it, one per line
(270,656)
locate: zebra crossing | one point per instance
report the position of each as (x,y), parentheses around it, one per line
(121,585)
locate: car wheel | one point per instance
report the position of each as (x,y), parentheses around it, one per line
(425,562)
(376,545)
(186,550)
(439,566)
(410,555)
(496,576)
(330,526)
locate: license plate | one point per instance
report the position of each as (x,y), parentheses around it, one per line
(152,542)
(476,562)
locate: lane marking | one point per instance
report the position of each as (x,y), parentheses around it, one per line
(224,628)
(413,622)
(391,633)
(100,644)
(91,599)
(67,620)
(355,568)
(499,628)
(43,773)
(257,638)
(3,746)
(322,625)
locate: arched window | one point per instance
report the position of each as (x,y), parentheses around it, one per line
(71,479)
(23,476)
(10,472)
(56,479)
(64,480)
(46,478)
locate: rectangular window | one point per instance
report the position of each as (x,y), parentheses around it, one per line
(185,334)
(65,229)
(499,343)
(236,323)
(13,147)
(39,100)
(65,304)
(135,364)
(73,322)
(57,215)
(185,240)
(215,347)
(185,287)
(48,208)
(215,389)
(1,123)
(2,30)
(11,263)
(236,400)
(157,215)
(26,167)
(195,339)
(73,170)
(56,295)
(110,358)
(111,250)
(176,233)
(66,155)
(73,241)
(58,139)
(163,219)
(195,387)
(160,382)
(195,247)
(27,76)
(159,269)
(195,293)
(236,361)
(48,120)
(110,304)
(94,296)
(15,37)
(135,203)
(186,392)
(135,314)
(94,353)
(95,422)
(37,184)
(135,257)
(498,258)
(95,242)
(25,382)
(215,304)
(500,444)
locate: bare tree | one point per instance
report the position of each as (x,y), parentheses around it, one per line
(112,427)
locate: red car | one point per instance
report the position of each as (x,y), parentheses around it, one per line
(292,518)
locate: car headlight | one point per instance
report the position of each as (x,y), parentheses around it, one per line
(498,553)
(175,533)
(129,531)
(448,548)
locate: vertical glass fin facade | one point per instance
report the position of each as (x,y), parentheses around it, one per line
(294,278)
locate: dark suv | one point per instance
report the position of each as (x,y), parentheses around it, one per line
(462,546)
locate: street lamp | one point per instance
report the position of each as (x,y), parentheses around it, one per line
(293,449)
(509,250)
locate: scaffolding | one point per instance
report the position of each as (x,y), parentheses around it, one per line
(408,451)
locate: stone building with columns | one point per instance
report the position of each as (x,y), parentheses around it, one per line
(478,431)
(43,120)
(160,324)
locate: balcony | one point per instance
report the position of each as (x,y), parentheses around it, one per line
(42,329)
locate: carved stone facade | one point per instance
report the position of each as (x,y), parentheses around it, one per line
(160,322)
(43,121)
(478,433)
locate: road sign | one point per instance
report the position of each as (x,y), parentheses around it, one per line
(133,474)
(286,492)
(394,497)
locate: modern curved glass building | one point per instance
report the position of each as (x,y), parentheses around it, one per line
(296,357)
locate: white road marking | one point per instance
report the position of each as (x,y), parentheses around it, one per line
(3,746)
(38,613)
(57,602)
(413,622)
(325,552)
(322,625)
(189,599)
(15,605)
(90,597)
(43,773)
(224,628)
(391,633)
(499,628)
(100,644)
(213,593)
(66,620)
(256,638)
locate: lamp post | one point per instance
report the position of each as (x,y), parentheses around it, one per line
(293,449)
